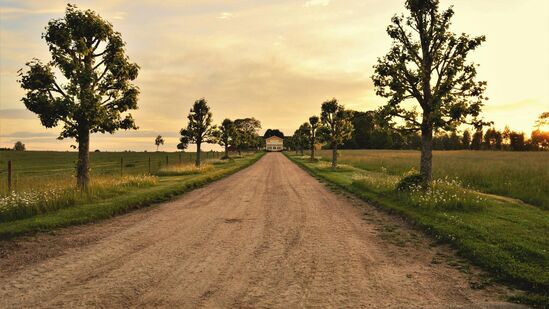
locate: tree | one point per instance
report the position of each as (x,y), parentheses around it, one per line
(273,132)
(336,126)
(543,121)
(246,133)
(476,142)
(314,121)
(226,135)
(466,139)
(302,136)
(540,139)
(183,143)
(158,141)
(199,129)
(90,57)
(427,63)
(517,141)
(19,146)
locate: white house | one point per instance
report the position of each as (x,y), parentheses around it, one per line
(274,143)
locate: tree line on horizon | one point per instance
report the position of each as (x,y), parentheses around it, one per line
(369,132)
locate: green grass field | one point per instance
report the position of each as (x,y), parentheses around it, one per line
(520,175)
(33,169)
(48,199)
(506,237)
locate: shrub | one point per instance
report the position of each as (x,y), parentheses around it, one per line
(409,183)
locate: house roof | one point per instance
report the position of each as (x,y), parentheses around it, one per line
(274,137)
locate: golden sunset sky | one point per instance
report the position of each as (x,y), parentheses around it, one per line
(273,60)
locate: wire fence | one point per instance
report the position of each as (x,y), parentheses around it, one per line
(31,170)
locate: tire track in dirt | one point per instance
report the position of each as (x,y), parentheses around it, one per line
(270,236)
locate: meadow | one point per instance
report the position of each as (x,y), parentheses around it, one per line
(519,175)
(504,236)
(35,169)
(45,195)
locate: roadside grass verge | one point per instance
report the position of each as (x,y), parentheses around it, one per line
(509,240)
(184,169)
(62,194)
(128,199)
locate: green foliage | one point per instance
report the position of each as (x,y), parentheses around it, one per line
(158,141)
(199,129)
(409,183)
(19,146)
(98,91)
(226,134)
(427,64)
(336,125)
(273,132)
(301,137)
(98,88)
(246,136)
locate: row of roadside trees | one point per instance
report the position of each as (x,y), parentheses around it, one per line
(239,134)
(333,127)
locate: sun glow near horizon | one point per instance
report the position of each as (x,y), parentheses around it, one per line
(276,61)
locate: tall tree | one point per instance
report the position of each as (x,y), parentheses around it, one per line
(336,126)
(246,133)
(302,136)
(476,142)
(466,139)
(314,121)
(226,135)
(427,63)
(158,141)
(92,62)
(19,146)
(199,129)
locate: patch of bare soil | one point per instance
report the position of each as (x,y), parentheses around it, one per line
(268,236)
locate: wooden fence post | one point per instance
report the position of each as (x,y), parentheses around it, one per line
(9,176)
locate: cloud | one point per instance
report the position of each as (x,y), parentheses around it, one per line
(225,15)
(28,134)
(312,3)
(16,113)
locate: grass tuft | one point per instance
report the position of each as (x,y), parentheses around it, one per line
(184,169)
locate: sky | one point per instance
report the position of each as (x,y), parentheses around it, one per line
(276,61)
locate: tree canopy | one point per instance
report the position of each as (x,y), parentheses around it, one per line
(273,132)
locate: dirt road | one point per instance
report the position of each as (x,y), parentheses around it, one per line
(268,236)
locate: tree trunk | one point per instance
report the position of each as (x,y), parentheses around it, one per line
(301,148)
(426,163)
(334,156)
(313,146)
(226,151)
(198,154)
(83,163)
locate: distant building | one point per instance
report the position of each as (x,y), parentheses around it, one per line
(274,143)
